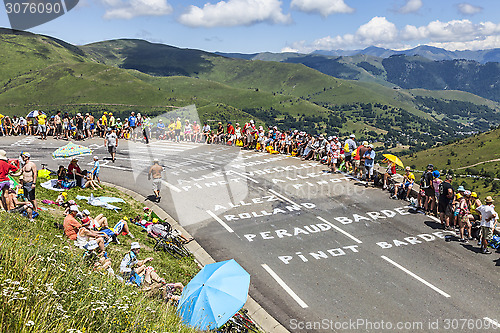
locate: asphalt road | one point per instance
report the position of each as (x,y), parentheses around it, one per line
(324,252)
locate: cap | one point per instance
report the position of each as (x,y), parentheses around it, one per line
(407,168)
(352,136)
(73,208)
(26,154)
(86,212)
(430,167)
(109,129)
(460,189)
(489,199)
(135,245)
(370,146)
(365,143)
(3,155)
(473,194)
(155,220)
(449,176)
(78,114)
(145,208)
(72,202)
(436,174)
(467,193)
(251,121)
(458,196)
(96,158)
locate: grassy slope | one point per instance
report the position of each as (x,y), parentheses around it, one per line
(45,281)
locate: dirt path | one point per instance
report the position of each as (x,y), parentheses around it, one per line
(479,163)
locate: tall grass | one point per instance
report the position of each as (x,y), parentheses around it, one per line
(47,287)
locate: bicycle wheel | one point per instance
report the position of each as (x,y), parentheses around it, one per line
(180,245)
(176,250)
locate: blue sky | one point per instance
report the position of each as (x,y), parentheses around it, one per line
(250,26)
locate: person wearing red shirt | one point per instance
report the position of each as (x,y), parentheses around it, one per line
(75,171)
(5,169)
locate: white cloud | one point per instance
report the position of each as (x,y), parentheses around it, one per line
(451,35)
(468,9)
(323,7)
(411,6)
(378,31)
(132,8)
(235,13)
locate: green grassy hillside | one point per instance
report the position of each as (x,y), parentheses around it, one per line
(124,75)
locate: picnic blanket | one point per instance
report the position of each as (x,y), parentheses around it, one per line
(103,202)
(51,185)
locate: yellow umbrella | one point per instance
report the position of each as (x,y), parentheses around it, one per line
(394,159)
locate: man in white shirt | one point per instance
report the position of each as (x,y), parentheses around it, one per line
(488,220)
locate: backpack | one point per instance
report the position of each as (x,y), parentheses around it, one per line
(424,181)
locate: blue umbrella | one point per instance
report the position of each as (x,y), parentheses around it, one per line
(214,295)
(34,113)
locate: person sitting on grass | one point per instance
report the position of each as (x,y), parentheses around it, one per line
(16,206)
(97,223)
(90,182)
(120,228)
(61,198)
(82,236)
(135,271)
(98,261)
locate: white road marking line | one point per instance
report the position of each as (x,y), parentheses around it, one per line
(170,186)
(222,223)
(283,197)
(285,286)
(340,230)
(415,276)
(493,322)
(243,176)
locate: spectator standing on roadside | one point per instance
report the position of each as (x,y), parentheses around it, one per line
(369,157)
(79,127)
(42,126)
(132,124)
(488,221)
(350,147)
(427,187)
(155,171)
(29,173)
(111,141)
(445,202)
(58,125)
(178,128)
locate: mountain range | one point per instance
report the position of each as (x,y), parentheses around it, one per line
(429,52)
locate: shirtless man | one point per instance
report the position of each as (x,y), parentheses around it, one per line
(29,173)
(14,205)
(155,171)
